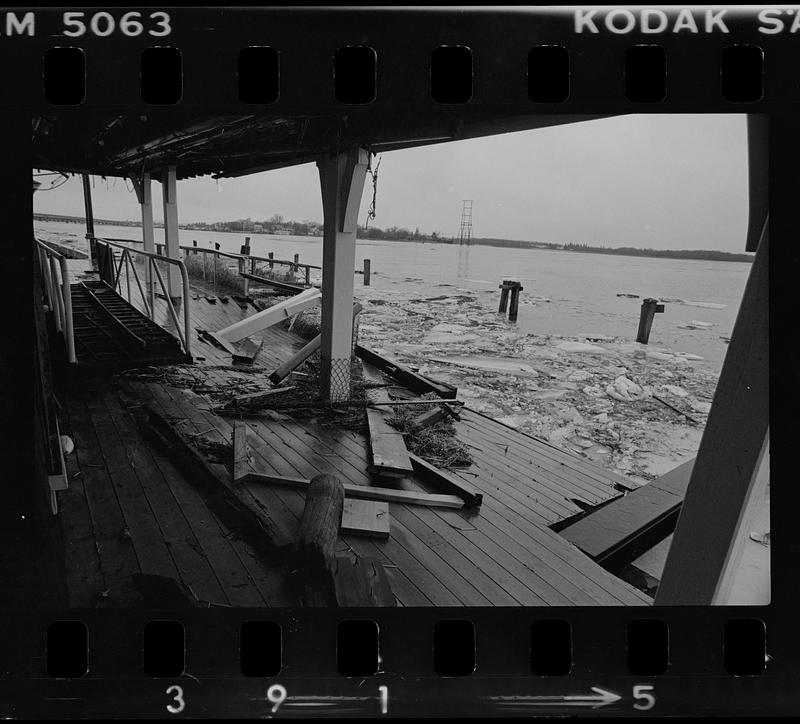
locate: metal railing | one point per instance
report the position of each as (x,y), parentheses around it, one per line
(153,272)
(57,289)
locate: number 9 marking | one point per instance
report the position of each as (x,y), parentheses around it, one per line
(277,695)
(179,704)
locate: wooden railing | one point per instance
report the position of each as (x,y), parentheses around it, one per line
(57,289)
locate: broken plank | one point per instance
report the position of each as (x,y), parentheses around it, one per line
(431,417)
(240,466)
(282,286)
(271,316)
(218,341)
(442,479)
(365,517)
(256,397)
(415,382)
(388,448)
(367,492)
(295,360)
(239,513)
(247,349)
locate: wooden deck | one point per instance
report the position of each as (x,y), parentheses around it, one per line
(503,554)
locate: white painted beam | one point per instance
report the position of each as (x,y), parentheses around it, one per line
(342,180)
(271,316)
(725,480)
(169,188)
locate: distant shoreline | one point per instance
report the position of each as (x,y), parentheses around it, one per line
(688,254)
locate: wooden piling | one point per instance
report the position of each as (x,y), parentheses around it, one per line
(308,276)
(367,271)
(296,262)
(270,256)
(649,308)
(503,296)
(316,544)
(513,309)
(194,244)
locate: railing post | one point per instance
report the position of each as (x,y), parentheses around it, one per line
(271,255)
(367,271)
(69,334)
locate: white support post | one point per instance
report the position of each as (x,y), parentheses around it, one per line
(342,179)
(169,188)
(144,194)
(728,478)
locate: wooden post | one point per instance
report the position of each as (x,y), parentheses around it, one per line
(194,244)
(503,296)
(513,309)
(316,544)
(245,249)
(649,309)
(342,180)
(296,262)
(87,204)
(706,545)
(367,271)
(205,260)
(144,194)
(308,276)
(270,256)
(169,187)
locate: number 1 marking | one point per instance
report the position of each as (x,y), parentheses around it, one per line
(384,698)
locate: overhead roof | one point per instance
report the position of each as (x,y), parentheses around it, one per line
(124,144)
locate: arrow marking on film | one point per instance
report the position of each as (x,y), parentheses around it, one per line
(600,698)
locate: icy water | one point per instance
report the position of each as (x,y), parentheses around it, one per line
(581,288)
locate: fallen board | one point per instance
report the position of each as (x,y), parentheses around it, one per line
(282,286)
(270,316)
(413,381)
(214,339)
(628,526)
(365,517)
(365,492)
(239,464)
(247,349)
(389,453)
(443,480)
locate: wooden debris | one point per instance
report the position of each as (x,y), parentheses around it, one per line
(316,545)
(295,361)
(414,381)
(445,481)
(282,286)
(271,316)
(365,517)
(366,492)
(680,412)
(254,398)
(362,581)
(246,350)
(240,466)
(217,341)
(389,453)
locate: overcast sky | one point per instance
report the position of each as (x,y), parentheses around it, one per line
(659,181)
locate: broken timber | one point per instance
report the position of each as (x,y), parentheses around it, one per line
(365,517)
(283,286)
(413,381)
(240,513)
(365,492)
(270,316)
(443,480)
(247,349)
(626,527)
(251,400)
(315,549)
(389,453)
(215,339)
(301,355)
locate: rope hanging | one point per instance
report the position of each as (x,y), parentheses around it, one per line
(371,213)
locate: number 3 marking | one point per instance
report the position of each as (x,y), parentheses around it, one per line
(179,704)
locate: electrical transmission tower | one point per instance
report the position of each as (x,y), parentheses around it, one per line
(465,230)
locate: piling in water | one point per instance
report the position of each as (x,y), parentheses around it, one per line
(649,309)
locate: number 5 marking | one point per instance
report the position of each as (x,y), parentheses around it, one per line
(646,699)
(179,704)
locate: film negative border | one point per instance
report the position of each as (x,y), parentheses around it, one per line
(504,680)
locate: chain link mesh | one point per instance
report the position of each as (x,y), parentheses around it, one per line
(335,375)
